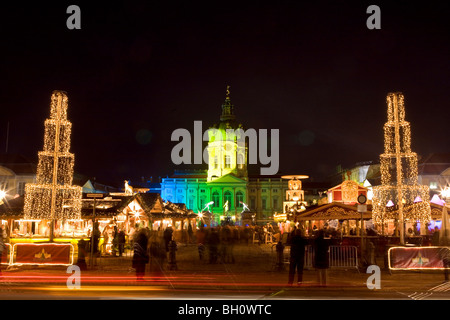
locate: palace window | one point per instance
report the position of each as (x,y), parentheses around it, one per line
(252,203)
(239,199)
(216,162)
(227,162)
(228,197)
(191,203)
(21,188)
(275,202)
(202,202)
(240,161)
(216,199)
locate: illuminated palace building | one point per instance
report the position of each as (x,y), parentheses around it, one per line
(226,188)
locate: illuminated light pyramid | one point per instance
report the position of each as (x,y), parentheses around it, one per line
(400,196)
(53,197)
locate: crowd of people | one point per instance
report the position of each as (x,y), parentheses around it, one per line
(214,244)
(151,248)
(298,242)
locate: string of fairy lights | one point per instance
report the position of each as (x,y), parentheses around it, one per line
(399,171)
(53,197)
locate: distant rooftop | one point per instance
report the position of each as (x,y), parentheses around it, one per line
(17,163)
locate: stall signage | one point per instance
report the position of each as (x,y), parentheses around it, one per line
(404,258)
(48,253)
(5,254)
(94,195)
(362,199)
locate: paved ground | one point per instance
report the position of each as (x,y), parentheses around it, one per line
(254,269)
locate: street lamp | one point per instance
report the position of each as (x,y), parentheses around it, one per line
(2,196)
(445,193)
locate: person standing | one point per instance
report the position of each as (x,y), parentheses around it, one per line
(168,233)
(158,255)
(2,247)
(122,240)
(297,256)
(140,255)
(95,243)
(435,238)
(321,258)
(444,252)
(81,261)
(190,233)
(115,242)
(213,245)
(201,237)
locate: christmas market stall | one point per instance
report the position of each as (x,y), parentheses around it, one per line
(182,220)
(343,219)
(106,211)
(341,215)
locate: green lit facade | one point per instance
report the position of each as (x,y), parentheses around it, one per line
(226,179)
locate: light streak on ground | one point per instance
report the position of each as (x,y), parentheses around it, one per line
(183,281)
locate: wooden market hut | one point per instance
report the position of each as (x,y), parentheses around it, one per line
(344,216)
(436,211)
(142,210)
(340,212)
(180,218)
(205,218)
(347,192)
(248,218)
(11,211)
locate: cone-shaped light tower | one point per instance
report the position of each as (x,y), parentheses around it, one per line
(399,173)
(53,197)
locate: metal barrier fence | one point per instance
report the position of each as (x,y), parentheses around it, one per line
(339,256)
(343,257)
(309,257)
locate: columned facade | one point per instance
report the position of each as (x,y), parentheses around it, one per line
(225,186)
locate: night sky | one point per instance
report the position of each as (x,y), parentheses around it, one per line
(136,71)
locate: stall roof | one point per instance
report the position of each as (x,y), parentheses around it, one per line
(436,211)
(110,206)
(12,209)
(150,202)
(334,210)
(104,208)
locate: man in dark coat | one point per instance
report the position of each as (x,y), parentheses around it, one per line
(213,245)
(81,262)
(122,240)
(297,256)
(321,258)
(168,233)
(140,255)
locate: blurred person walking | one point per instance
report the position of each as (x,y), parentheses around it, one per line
(168,234)
(213,245)
(158,254)
(2,247)
(297,256)
(140,255)
(201,237)
(321,257)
